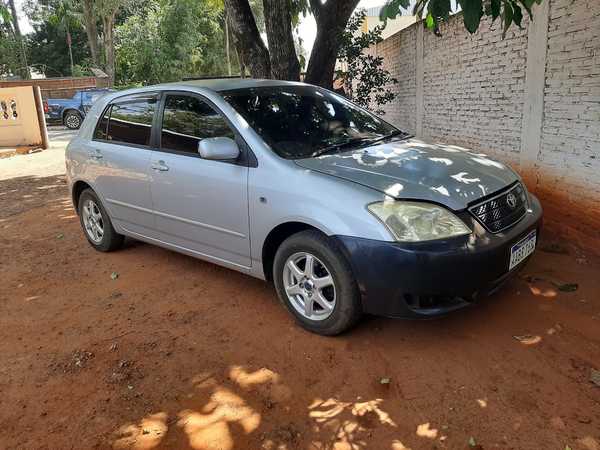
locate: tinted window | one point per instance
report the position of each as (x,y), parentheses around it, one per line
(131,122)
(100,132)
(187,120)
(298,121)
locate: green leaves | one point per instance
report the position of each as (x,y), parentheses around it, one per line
(392,9)
(472,14)
(507,17)
(494,9)
(364,77)
(435,11)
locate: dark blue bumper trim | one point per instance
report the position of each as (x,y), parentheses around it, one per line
(430,278)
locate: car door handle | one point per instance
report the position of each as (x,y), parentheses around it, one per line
(160,166)
(95,154)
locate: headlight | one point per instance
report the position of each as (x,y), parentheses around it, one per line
(415,221)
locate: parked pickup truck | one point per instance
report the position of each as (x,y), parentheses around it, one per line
(71,111)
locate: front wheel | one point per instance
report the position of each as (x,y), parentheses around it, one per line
(315,283)
(96,224)
(73,120)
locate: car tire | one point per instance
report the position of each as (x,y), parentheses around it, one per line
(96,224)
(72,120)
(332,309)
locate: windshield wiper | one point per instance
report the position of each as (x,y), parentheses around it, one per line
(394,133)
(338,146)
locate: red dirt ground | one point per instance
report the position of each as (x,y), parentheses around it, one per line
(178,353)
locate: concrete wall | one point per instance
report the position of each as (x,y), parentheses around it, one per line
(531,100)
(19,118)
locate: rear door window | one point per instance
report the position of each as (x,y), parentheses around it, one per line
(187,120)
(102,126)
(131,121)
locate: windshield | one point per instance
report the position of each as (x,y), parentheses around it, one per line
(303,121)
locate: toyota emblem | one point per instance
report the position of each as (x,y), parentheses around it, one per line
(511,200)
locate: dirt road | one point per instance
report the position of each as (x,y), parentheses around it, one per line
(146,348)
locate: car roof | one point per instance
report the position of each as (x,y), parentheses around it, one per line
(227,84)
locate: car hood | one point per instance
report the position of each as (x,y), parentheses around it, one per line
(412,169)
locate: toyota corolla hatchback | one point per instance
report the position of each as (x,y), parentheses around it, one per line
(295,184)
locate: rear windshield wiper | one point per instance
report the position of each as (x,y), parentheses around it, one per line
(339,146)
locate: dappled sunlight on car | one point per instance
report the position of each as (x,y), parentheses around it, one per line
(445,161)
(462,177)
(394,190)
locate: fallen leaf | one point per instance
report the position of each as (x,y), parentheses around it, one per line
(60,236)
(528,339)
(114,276)
(595,377)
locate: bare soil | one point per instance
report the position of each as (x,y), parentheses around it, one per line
(146,348)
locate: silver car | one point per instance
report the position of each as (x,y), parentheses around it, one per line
(297,185)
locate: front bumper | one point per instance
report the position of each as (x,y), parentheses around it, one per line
(425,279)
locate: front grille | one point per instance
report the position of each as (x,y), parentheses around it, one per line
(501,212)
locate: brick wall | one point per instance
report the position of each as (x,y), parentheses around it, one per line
(403,114)
(570,150)
(474,84)
(59,87)
(476,90)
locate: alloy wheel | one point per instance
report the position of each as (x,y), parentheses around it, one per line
(93,221)
(309,286)
(72,121)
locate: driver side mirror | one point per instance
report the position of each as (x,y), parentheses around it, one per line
(219,149)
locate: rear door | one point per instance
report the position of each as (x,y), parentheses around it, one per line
(200,205)
(119,161)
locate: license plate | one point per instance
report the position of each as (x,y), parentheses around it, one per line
(522,250)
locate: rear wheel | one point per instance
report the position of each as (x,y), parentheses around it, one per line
(96,224)
(72,120)
(315,283)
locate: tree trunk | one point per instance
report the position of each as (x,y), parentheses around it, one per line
(227,49)
(89,19)
(278,24)
(15,19)
(241,64)
(247,39)
(332,18)
(69,44)
(108,23)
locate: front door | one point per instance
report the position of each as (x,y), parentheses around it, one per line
(200,205)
